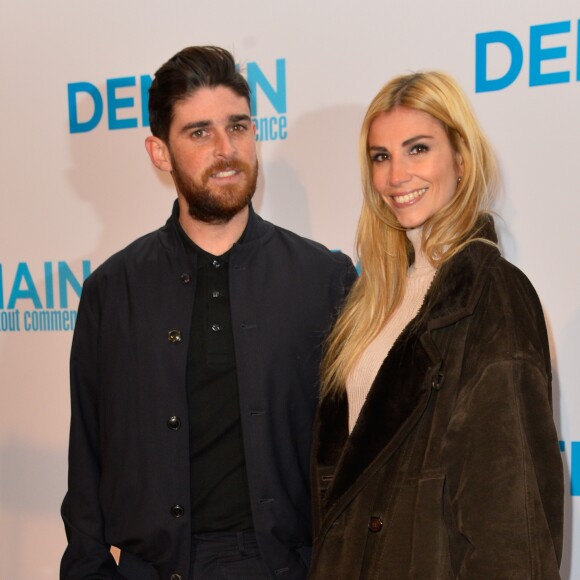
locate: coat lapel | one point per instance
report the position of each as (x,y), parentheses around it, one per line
(402,387)
(396,400)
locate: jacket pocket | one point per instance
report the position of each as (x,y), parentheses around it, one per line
(429,556)
(133,568)
(412,543)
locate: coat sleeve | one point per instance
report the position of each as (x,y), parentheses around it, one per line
(505,482)
(87,554)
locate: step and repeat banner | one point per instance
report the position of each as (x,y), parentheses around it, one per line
(77,185)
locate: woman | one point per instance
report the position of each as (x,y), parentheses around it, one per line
(436,454)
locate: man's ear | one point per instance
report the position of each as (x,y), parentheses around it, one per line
(158,153)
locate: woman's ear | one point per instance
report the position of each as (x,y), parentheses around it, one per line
(459,164)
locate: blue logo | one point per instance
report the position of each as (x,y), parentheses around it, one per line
(124,103)
(547,48)
(26,306)
(273,125)
(574,465)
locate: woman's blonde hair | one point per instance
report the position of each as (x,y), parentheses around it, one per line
(382,246)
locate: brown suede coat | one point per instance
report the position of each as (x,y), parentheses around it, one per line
(453,469)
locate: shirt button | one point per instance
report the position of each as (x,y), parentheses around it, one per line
(175,576)
(216,264)
(216,294)
(177,511)
(174,336)
(174,423)
(375,524)
(216,327)
(185,279)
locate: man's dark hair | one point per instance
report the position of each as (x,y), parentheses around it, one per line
(189,70)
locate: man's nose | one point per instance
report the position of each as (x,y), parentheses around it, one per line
(224,145)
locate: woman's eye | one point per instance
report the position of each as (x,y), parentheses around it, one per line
(379,157)
(419,148)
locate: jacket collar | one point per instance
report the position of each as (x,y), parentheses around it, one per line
(457,287)
(256,227)
(257,232)
(395,402)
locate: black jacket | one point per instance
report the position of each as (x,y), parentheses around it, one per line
(453,469)
(129,456)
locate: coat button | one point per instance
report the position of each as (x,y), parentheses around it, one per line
(185,279)
(175,576)
(174,336)
(437,380)
(177,511)
(375,524)
(174,423)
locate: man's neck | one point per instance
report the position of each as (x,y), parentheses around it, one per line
(216,239)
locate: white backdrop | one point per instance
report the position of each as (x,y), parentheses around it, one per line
(70,199)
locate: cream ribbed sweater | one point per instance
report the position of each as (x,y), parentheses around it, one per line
(419,278)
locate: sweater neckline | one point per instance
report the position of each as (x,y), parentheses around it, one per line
(421,266)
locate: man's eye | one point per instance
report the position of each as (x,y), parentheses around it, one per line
(198,133)
(238,127)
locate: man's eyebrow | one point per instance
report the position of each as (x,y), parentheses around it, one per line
(202,124)
(238,118)
(194,125)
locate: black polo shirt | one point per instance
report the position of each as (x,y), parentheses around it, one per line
(220,500)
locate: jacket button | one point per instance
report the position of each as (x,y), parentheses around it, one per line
(174,336)
(174,423)
(216,327)
(177,511)
(216,264)
(375,524)
(185,279)
(175,576)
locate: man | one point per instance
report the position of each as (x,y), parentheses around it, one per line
(195,361)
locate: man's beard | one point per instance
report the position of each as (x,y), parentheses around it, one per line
(222,203)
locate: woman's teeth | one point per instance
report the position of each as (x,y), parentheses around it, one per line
(409,196)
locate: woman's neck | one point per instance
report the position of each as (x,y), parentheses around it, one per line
(415,236)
